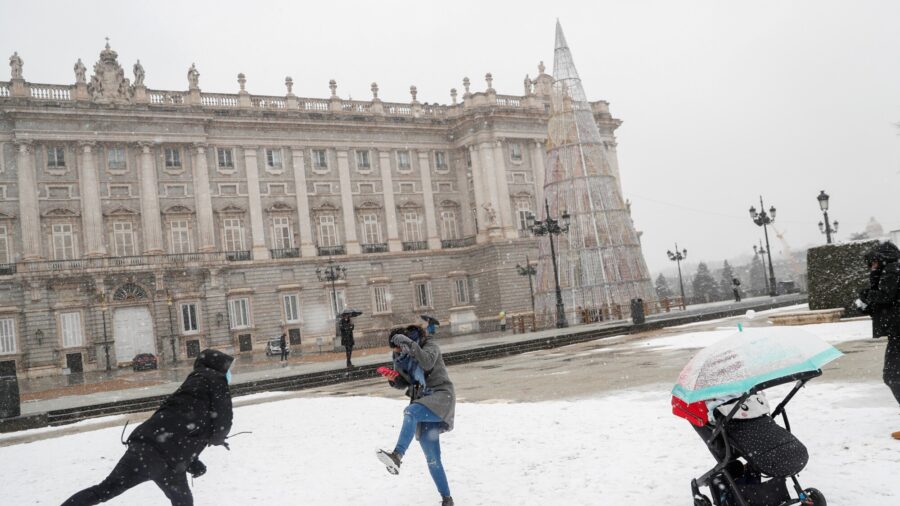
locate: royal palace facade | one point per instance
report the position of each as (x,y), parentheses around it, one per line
(139,220)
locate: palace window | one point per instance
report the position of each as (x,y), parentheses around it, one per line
(291,303)
(362,160)
(189,321)
(449,227)
(233,234)
(4,245)
(63,241)
(338,301)
(7,336)
(239,313)
(381,300)
(225,158)
(281,226)
(123,238)
(412,226)
(440,160)
(181,236)
(403,159)
(468,155)
(173,158)
(273,158)
(523,210)
(327,231)
(320,158)
(56,157)
(422,295)
(371,228)
(115,158)
(70,326)
(515,151)
(461,291)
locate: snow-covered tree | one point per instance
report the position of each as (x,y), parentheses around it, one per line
(705,287)
(757,276)
(725,280)
(662,287)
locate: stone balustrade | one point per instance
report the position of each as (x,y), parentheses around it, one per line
(50,92)
(4,90)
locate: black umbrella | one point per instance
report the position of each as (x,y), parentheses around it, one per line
(352,312)
(430,319)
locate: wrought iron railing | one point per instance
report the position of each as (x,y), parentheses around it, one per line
(120,261)
(415,245)
(324,251)
(457,243)
(285,253)
(237,256)
(7,269)
(380,247)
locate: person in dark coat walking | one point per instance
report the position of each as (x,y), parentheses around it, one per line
(735,289)
(431,410)
(882,301)
(168,444)
(346,327)
(282,343)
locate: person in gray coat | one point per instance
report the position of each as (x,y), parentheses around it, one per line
(431,409)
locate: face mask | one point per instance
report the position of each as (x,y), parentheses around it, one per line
(228,376)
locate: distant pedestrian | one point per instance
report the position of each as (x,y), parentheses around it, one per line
(167,446)
(882,301)
(502,318)
(735,288)
(282,343)
(346,328)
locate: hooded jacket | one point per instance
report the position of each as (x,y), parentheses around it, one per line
(439,395)
(198,414)
(883,294)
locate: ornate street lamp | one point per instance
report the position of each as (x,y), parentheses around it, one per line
(762,255)
(552,227)
(330,273)
(761,219)
(528,270)
(103,308)
(169,303)
(677,257)
(826,227)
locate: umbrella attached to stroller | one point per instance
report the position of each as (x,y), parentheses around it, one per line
(720,391)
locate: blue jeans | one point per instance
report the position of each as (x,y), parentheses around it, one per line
(429,439)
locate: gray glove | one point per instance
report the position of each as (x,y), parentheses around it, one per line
(401,341)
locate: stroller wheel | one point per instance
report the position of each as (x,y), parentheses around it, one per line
(814,497)
(701,500)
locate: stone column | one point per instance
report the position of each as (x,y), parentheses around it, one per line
(151,221)
(91,212)
(307,247)
(504,210)
(480,191)
(257,227)
(203,201)
(466,220)
(29,211)
(390,206)
(350,241)
(434,237)
(537,157)
(486,151)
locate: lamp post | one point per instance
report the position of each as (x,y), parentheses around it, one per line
(169,303)
(762,255)
(330,273)
(103,308)
(762,219)
(826,227)
(552,227)
(677,257)
(528,270)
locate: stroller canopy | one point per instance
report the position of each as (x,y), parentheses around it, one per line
(739,362)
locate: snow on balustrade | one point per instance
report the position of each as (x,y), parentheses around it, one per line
(356,106)
(509,101)
(166,98)
(312,104)
(4,89)
(268,102)
(399,109)
(212,100)
(49,92)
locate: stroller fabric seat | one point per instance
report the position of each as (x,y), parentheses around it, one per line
(768,447)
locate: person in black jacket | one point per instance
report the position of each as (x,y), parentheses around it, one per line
(882,301)
(282,343)
(167,446)
(346,327)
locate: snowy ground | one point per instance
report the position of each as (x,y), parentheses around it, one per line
(615,448)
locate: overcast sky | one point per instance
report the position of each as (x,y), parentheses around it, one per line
(721,101)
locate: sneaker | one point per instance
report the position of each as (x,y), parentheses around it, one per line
(896,435)
(446,500)
(391,461)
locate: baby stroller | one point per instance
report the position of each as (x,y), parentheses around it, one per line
(756,458)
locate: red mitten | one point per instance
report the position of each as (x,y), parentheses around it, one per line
(388,373)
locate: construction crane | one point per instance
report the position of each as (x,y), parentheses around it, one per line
(795,266)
